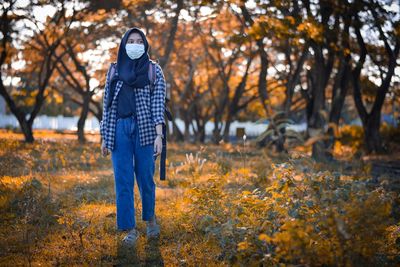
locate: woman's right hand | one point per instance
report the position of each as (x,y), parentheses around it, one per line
(104,151)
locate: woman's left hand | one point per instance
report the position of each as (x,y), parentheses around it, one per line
(157,145)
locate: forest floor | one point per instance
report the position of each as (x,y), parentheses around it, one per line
(220,205)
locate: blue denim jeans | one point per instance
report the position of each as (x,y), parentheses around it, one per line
(131,160)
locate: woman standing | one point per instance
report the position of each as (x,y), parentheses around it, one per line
(131,129)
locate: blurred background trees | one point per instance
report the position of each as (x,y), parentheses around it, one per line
(324,62)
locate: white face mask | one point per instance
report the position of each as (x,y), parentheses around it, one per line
(134,51)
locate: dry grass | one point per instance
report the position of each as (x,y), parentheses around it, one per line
(58,208)
(219,206)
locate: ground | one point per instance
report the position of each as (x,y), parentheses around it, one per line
(220,205)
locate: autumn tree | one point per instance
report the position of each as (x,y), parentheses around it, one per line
(78,67)
(382,53)
(34,51)
(231,55)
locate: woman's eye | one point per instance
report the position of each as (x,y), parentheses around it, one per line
(135,41)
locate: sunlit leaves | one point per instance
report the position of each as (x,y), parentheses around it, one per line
(311,29)
(318,217)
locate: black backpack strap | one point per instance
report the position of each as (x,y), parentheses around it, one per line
(152,75)
(113,69)
(168,113)
(163,153)
(163,158)
(110,74)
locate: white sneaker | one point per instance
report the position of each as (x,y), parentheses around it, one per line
(153,229)
(131,238)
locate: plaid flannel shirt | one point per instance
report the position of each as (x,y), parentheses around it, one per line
(150,106)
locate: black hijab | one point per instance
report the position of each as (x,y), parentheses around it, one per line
(133,72)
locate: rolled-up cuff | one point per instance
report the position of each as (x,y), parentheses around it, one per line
(159,121)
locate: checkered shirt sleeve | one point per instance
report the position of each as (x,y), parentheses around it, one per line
(158,97)
(103,121)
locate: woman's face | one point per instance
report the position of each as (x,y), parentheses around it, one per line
(134,38)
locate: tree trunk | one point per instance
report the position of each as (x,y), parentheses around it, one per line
(317,122)
(82,118)
(294,79)
(318,119)
(371,120)
(26,129)
(81,132)
(262,77)
(372,136)
(217,130)
(172,33)
(177,134)
(321,71)
(200,133)
(186,135)
(339,93)
(227,128)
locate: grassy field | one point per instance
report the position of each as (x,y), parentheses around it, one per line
(220,205)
